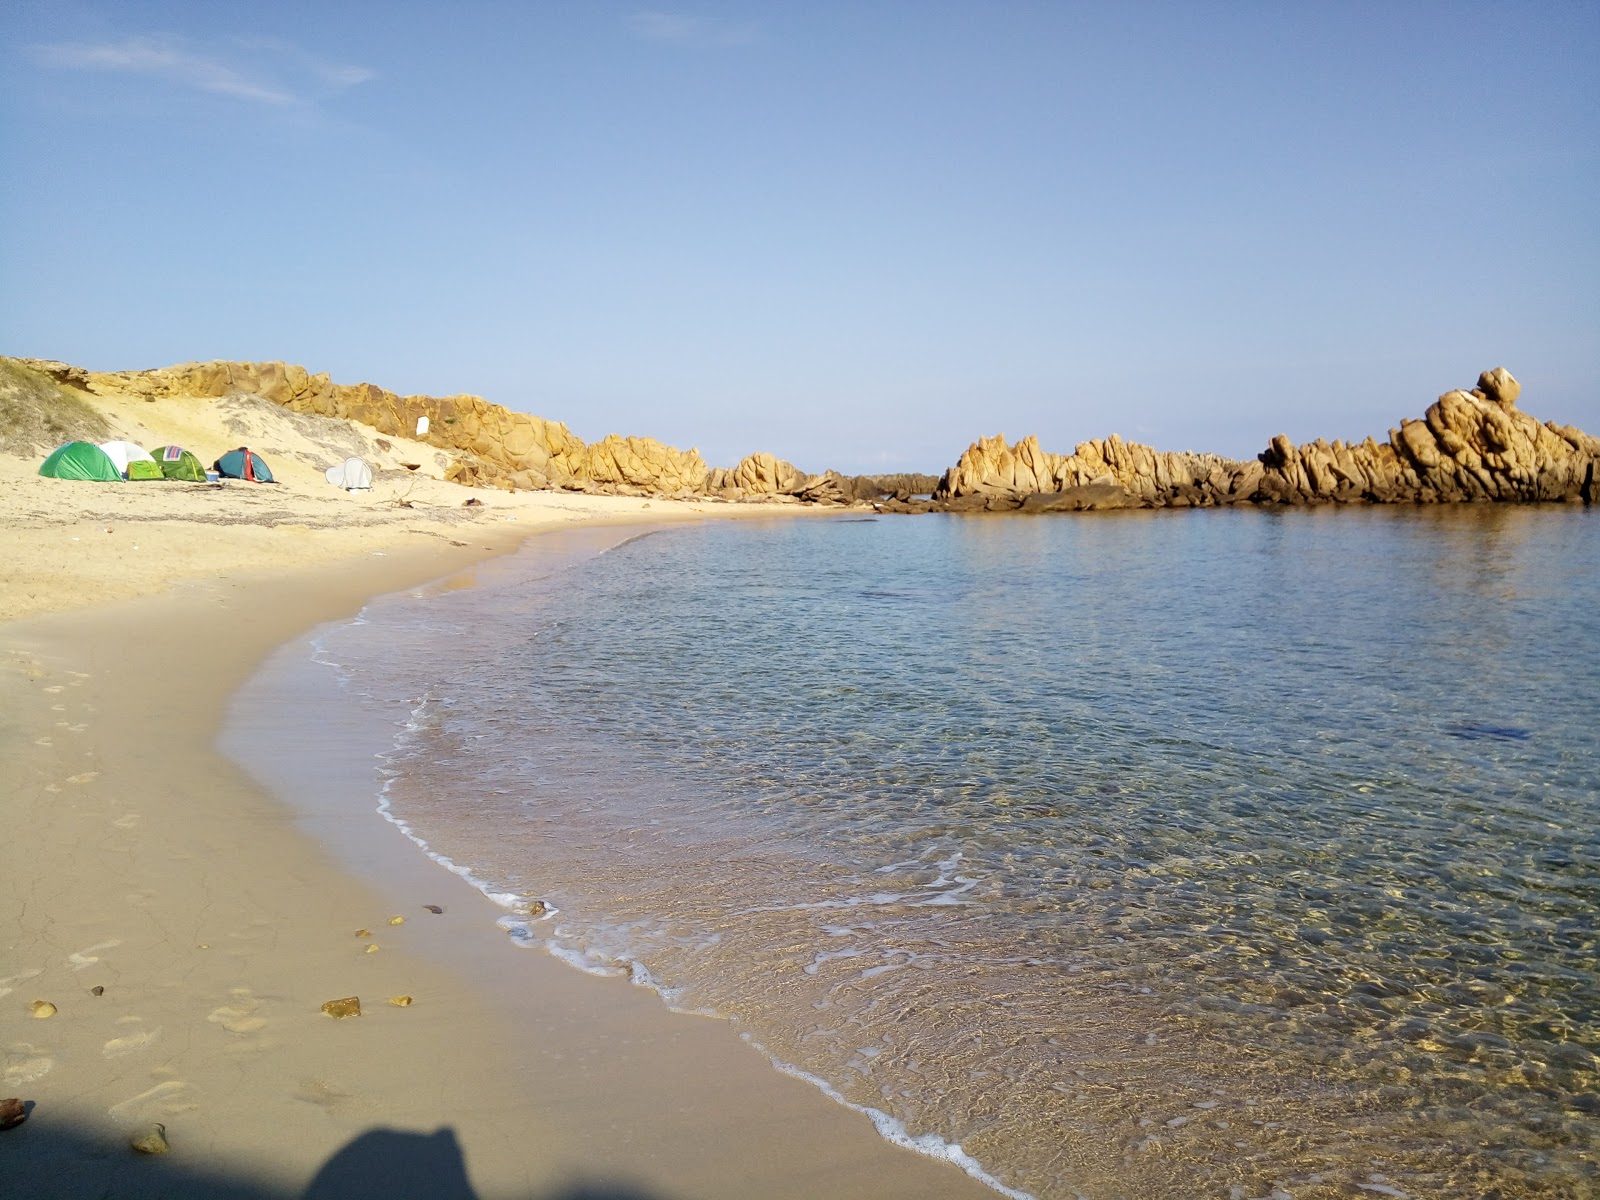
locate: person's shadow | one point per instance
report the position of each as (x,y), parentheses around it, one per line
(389,1162)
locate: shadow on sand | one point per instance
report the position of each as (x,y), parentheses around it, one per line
(38,1162)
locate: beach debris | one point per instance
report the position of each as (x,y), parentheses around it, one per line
(472,502)
(536,908)
(43,1009)
(363,933)
(13,1112)
(350,1006)
(397,920)
(372,949)
(400,1001)
(151,1139)
(433,908)
(98,990)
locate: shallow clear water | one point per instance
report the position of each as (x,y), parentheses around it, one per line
(1142,855)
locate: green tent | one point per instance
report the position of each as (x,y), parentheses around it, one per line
(143,468)
(178,463)
(80,460)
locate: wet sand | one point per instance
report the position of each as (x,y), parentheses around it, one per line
(140,860)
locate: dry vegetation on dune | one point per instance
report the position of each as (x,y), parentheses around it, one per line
(37,413)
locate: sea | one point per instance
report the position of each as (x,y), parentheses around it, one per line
(1232,853)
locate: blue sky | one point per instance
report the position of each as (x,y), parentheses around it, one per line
(858,235)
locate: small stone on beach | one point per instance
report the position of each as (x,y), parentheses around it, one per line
(397,920)
(97,990)
(537,908)
(363,933)
(433,908)
(400,1001)
(350,1006)
(42,1009)
(13,1112)
(372,949)
(152,1139)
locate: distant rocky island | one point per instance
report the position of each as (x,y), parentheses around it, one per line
(1469,446)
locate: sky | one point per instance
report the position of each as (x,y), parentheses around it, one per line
(857,235)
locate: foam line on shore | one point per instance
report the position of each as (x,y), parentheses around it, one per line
(892,1130)
(520,925)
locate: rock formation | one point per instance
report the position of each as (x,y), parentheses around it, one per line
(1469,446)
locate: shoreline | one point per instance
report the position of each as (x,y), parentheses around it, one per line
(158,870)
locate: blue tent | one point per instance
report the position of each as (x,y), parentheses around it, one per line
(243,463)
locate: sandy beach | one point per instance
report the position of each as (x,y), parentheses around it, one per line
(172,930)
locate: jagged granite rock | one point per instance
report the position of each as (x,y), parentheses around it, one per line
(1148,478)
(61,372)
(759,474)
(642,463)
(1469,446)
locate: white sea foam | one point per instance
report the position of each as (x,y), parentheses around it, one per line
(892,1130)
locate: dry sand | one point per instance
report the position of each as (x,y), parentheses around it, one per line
(138,860)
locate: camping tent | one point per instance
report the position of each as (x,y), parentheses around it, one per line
(177,463)
(243,463)
(124,454)
(143,468)
(352,474)
(80,460)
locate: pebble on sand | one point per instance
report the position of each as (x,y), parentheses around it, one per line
(372,949)
(537,908)
(13,1112)
(350,1006)
(363,933)
(397,920)
(42,1009)
(98,990)
(433,908)
(152,1139)
(400,1001)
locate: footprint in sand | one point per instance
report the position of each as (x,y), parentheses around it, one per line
(5,983)
(55,687)
(242,1016)
(42,741)
(324,1095)
(71,728)
(24,1063)
(86,957)
(58,708)
(127,822)
(137,1106)
(138,1039)
(83,777)
(52,787)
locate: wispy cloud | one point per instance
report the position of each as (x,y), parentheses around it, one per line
(262,71)
(683,29)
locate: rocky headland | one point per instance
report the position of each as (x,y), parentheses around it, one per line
(1468,446)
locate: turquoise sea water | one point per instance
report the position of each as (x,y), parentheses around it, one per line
(1140,854)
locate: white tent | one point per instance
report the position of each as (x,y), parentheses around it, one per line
(123,453)
(353,474)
